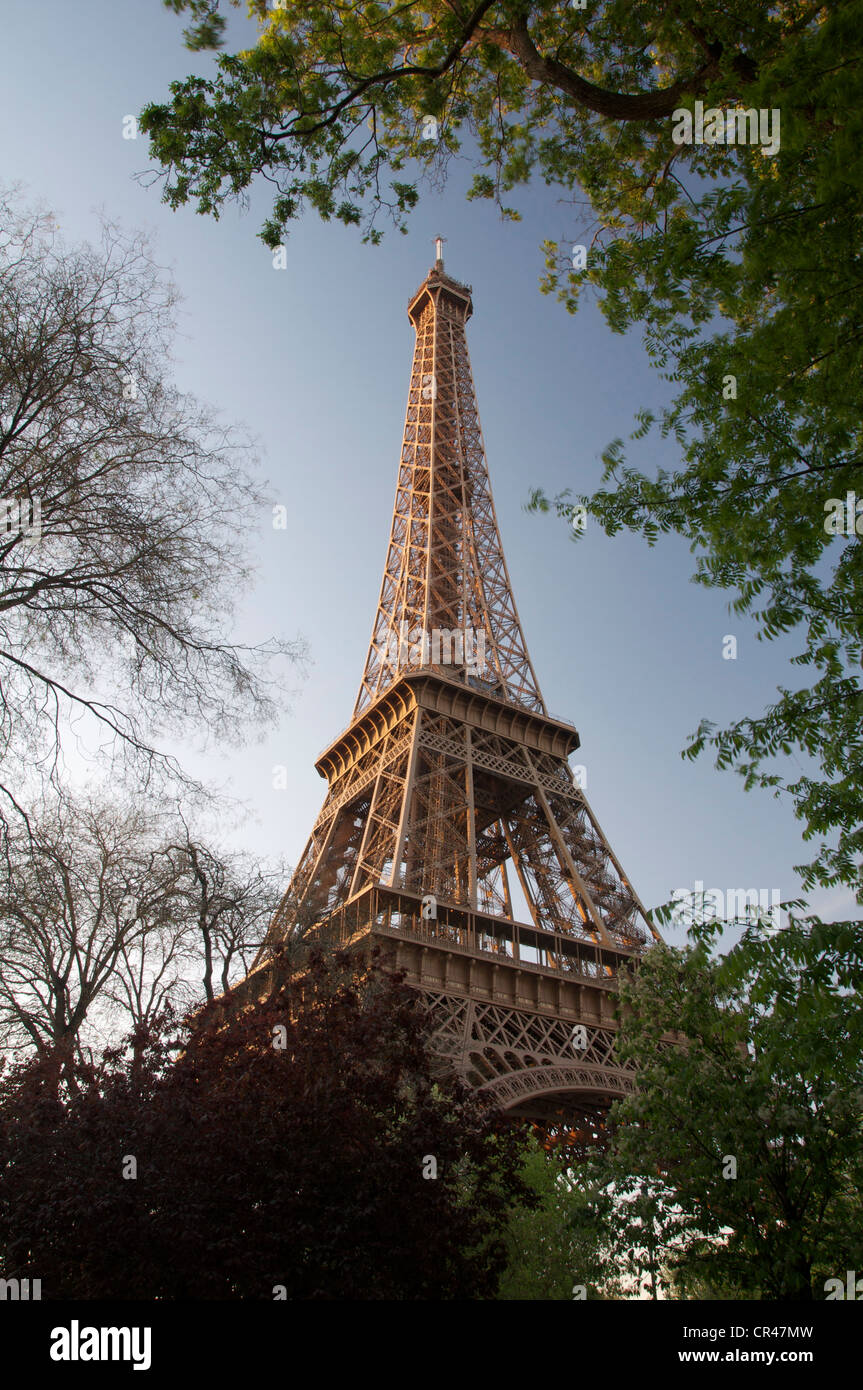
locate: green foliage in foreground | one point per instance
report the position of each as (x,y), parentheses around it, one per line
(736,1170)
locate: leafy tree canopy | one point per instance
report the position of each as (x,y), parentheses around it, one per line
(285,1154)
(335,96)
(754,1118)
(735,1171)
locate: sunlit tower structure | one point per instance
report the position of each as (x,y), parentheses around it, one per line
(451,785)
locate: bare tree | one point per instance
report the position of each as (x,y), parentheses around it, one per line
(81,887)
(124,511)
(109,915)
(229,900)
(152,973)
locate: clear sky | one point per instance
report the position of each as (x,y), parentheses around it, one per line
(316,360)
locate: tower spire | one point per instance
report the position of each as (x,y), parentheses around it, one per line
(446,599)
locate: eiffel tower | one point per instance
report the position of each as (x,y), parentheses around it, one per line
(450,789)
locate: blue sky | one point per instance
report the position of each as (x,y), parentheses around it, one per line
(316,360)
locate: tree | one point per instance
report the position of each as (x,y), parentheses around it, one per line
(639,1226)
(286,1153)
(735,1170)
(554,1245)
(126,509)
(330,99)
(598,1231)
(228,900)
(82,889)
(108,916)
(737,254)
(753,1118)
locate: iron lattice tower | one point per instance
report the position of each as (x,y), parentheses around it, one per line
(451,782)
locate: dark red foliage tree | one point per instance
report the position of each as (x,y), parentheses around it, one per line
(285,1153)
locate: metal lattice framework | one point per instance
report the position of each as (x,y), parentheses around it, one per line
(445,568)
(451,785)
